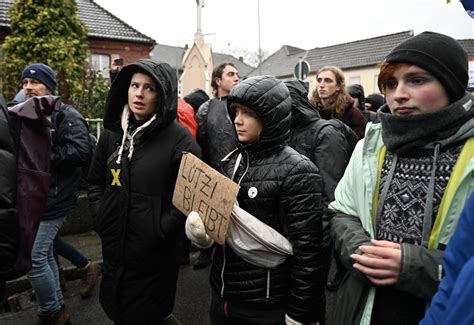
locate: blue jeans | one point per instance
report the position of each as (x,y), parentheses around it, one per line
(69,252)
(44,276)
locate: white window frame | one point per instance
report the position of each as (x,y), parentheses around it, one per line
(101,63)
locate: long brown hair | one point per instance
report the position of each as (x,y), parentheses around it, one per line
(338,101)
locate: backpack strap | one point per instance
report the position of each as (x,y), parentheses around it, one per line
(313,134)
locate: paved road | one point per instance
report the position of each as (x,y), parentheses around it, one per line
(191,308)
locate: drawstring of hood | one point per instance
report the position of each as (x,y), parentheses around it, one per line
(126,134)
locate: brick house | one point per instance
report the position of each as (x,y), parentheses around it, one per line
(109,37)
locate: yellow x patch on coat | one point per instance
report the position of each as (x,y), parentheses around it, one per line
(116,176)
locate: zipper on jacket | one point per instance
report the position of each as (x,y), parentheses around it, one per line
(268,284)
(222,271)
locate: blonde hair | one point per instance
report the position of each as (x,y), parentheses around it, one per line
(338,101)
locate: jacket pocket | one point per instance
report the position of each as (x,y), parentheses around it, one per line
(110,211)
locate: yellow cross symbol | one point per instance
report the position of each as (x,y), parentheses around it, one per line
(116,176)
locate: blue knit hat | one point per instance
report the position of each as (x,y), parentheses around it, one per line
(42,73)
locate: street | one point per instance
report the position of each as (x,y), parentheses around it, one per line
(191,305)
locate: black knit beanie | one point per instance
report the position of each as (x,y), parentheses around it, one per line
(440,55)
(196,98)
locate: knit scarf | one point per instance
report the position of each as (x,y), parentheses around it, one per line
(404,133)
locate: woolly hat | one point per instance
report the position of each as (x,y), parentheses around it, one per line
(356,91)
(196,98)
(42,73)
(440,55)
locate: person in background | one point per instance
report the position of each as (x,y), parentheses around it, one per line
(196,98)
(132,179)
(70,137)
(453,302)
(399,201)
(331,99)
(357,94)
(187,109)
(216,133)
(373,102)
(186,117)
(283,189)
(88,270)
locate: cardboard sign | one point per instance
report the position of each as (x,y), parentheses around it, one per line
(202,189)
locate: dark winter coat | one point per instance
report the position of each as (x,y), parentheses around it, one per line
(216,133)
(8,213)
(131,202)
(71,150)
(289,199)
(330,154)
(352,117)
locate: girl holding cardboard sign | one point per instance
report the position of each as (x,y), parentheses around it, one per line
(283,190)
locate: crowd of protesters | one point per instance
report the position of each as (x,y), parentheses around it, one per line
(365,193)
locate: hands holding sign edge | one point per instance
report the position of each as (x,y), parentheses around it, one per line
(210,194)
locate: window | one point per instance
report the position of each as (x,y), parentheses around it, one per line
(354,80)
(376,86)
(101,63)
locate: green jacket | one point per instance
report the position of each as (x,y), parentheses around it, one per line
(352,224)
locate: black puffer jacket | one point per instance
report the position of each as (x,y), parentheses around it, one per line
(216,133)
(289,199)
(131,202)
(9,239)
(330,152)
(71,150)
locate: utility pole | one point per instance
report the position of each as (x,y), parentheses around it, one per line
(259,44)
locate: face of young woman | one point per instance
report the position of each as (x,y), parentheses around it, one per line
(412,90)
(247,125)
(142,96)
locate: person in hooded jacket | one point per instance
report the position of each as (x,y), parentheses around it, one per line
(330,154)
(399,201)
(132,179)
(283,189)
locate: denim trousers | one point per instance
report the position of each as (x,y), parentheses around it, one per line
(43,275)
(69,252)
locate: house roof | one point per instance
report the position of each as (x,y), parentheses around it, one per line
(346,55)
(280,63)
(241,66)
(349,55)
(173,55)
(99,22)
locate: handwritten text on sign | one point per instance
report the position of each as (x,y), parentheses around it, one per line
(202,189)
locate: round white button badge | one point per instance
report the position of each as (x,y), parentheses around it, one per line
(252,192)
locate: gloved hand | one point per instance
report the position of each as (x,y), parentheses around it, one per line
(196,232)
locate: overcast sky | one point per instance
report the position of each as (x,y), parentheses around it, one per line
(302,23)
